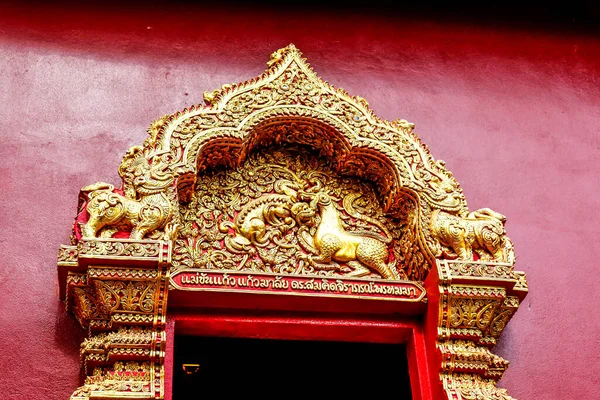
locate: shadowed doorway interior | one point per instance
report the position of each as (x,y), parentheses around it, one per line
(217,368)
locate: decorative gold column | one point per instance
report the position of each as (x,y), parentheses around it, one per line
(475,301)
(117,289)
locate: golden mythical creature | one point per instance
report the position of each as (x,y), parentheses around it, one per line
(144,207)
(363,250)
(273,210)
(481,231)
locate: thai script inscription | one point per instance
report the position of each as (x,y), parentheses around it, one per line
(227,281)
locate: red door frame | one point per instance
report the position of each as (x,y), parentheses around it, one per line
(298,326)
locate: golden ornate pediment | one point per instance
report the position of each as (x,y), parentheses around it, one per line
(285,185)
(290,104)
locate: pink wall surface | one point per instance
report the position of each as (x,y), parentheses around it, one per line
(514,112)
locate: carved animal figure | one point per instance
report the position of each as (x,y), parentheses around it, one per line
(144,207)
(363,250)
(251,222)
(481,231)
(273,210)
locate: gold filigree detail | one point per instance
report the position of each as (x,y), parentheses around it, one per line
(285,212)
(498,323)
(75,279)
(85,306)
(122,378)
(471,313)
(122,273)
(124,336)
(521,281)
(480,270)
(125,343)
(472,387)
(126,296)
(118,248)
(67,255)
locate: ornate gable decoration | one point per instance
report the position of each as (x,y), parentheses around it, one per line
(286,177)
(290,104)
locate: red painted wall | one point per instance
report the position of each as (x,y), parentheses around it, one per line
(514,112)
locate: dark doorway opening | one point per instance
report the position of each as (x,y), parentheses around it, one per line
(223,368)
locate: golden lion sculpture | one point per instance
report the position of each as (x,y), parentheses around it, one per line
(144,207)
(481,231)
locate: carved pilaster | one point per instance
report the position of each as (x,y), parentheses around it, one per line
(476,301)
(117,289)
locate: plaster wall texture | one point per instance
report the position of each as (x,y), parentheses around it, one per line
(514,112)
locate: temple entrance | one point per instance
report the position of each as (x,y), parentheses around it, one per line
(216,367)
(285,209)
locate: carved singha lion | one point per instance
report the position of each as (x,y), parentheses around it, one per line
(481,231)
(144,207)
(363,250)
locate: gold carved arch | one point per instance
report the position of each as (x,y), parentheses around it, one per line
(118,269)
(289,94)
